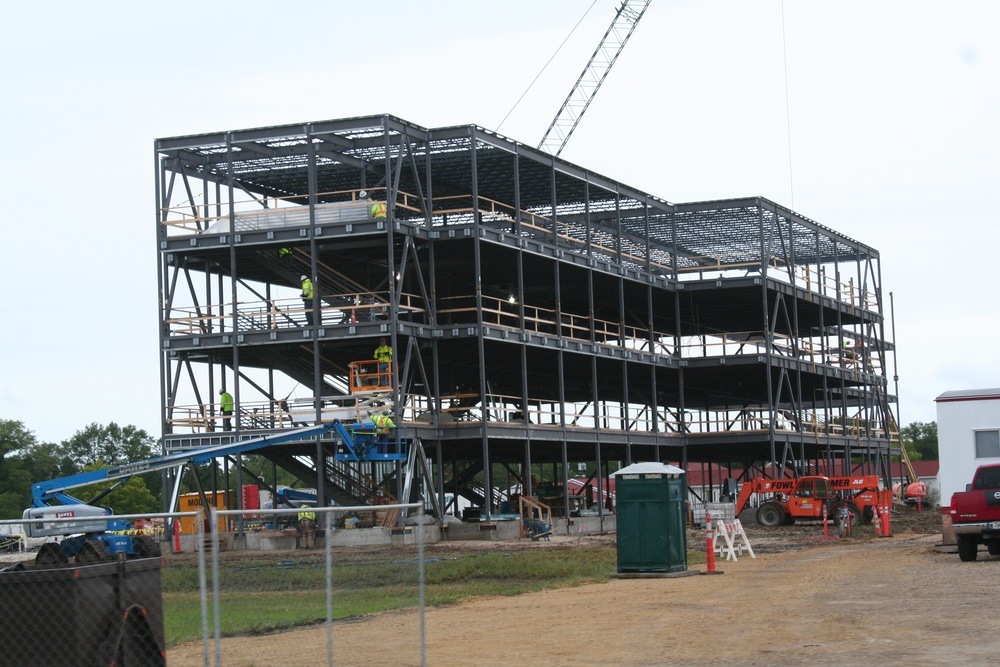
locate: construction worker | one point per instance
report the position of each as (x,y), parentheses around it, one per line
(848,354)
(307,527)
(285,255)
(378,209)
(307,298)
(383,424)
(383,355)
(226,408)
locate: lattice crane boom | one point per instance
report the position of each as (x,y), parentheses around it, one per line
(593,76)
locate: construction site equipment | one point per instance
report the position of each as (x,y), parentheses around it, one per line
(536,529)
(97,537)
(593,75)
(194,502)
(915,490)
(365,441)
(536,517)
(806,497)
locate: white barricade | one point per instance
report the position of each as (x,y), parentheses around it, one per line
(731,539)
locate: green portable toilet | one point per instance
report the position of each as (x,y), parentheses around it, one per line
(651,528)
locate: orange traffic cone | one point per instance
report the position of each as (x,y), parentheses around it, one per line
(710,558)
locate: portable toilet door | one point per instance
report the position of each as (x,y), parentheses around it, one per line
(651,526)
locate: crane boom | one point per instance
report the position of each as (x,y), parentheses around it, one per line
(593,76)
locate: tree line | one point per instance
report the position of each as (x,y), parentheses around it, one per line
(24,461)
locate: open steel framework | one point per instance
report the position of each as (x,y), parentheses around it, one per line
(541,314)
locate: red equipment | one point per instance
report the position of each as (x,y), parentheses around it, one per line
(805,498)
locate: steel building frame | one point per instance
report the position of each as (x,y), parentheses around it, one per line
(542,314)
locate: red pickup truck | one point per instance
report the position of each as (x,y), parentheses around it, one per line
(975,513)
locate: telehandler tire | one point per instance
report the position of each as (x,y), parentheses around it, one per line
(770,514)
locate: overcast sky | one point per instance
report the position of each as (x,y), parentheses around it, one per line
(876,119)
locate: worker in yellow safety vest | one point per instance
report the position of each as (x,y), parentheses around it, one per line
(226,408)
(383,355)
(307,527)
(307,295)
(848,355)
(383,423)
(378,209)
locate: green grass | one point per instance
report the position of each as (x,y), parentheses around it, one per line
(259,594)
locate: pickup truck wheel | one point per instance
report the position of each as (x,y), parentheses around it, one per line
(770,514)
(968,549)
(993,547)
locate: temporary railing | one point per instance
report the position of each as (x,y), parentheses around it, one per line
(812,350)
(760,420)
(503,313)
(284,313)
(266,414)
(275,212)
(464,407)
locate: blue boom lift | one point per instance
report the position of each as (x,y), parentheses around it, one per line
(98,537)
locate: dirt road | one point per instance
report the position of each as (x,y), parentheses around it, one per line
(890,601)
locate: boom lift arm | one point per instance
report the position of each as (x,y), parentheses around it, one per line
(44,494)
(100,537)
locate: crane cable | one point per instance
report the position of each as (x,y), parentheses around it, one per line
(788,115)
(544,67)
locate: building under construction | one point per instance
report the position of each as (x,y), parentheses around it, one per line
(547,322)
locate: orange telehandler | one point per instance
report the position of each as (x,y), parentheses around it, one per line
(805,498)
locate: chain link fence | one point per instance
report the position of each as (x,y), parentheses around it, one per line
(76,593)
